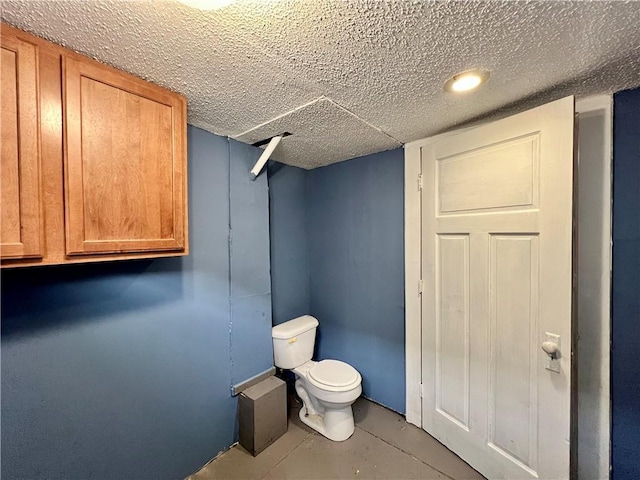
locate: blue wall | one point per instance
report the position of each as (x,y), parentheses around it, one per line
(356,260)
(625,348)
(289,242)
(123,370)
(251,344)
(337,252)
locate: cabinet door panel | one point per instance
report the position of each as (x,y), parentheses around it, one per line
(21,215)
(124,163)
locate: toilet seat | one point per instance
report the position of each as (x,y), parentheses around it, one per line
(334,375)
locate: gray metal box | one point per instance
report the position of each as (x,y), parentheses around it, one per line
(263,414)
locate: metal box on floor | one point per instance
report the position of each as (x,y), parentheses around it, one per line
(263,414)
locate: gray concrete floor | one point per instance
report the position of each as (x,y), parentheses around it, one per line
(383,446)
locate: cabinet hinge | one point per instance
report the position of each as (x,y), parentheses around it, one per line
(419,181)
(420,286)
(421,390)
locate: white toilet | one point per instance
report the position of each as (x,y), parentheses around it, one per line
(327,388)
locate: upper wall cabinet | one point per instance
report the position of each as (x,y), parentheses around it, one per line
(22,224)
(94,161)
(124,162)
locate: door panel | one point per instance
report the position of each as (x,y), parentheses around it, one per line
(497,233)
(124,152)
(20,190)
(452,325)
(489,178)
(513,347)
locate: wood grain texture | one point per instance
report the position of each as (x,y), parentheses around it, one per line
(22,223)
(123,189)
(53,174)
(10,169)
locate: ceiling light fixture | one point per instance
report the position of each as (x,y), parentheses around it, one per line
(466,81)
(207,4)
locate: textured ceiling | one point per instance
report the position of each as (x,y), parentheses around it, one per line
(350,77)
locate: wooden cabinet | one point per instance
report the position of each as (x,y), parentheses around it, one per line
(124,163)
(22,224)
(93,159)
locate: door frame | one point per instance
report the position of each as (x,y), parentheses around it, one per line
(413,284)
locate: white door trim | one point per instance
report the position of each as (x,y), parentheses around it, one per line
(413,265)
(594,288)
(413,319)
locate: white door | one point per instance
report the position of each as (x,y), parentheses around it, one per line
(497,270)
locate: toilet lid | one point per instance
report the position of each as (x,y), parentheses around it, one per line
(334,373)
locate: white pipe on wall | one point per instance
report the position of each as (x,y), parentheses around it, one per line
(255,171)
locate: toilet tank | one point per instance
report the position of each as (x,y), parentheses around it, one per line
(293,341)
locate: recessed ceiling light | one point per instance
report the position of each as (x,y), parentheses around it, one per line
(207,4)
(465,81)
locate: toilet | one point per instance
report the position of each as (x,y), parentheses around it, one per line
(327,388)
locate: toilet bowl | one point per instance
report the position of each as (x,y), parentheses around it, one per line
(327,388)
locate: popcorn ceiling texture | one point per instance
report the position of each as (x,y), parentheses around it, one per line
(358,76)
(316,141)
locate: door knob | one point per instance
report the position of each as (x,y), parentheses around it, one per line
(550,348)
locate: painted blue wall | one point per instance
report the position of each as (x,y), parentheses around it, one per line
(289,242)
(251,344)
(625,348)
(356,261)
(123,370)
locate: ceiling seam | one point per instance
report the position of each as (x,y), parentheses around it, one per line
(365,122)
(264,124)
(333,102)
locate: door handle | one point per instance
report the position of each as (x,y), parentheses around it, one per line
(551,349)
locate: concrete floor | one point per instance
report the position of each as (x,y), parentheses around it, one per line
(384,446)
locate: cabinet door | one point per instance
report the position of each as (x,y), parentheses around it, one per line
(125,162)
(20,195)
